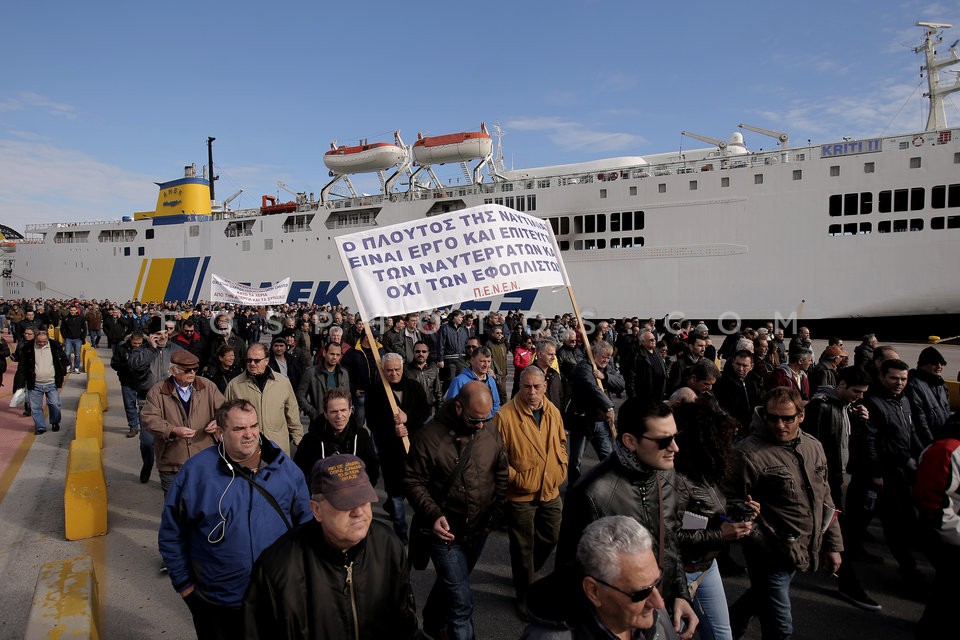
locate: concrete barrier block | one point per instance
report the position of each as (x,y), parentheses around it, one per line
(90,418)
(98,385)
(94,366)
(85,494)
(87,355)
(953,388)
(66,602)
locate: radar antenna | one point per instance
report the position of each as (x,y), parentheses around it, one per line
(933,35)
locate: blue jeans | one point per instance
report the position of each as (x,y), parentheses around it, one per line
(146,443)
(37,396)
(768,597)
(710,605)
(130,407)
(450,603)
(398,514)
(72,347)
(95,336)
(599,437)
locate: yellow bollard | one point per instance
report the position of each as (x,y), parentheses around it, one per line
(54,334)
(94,366)
(87,357)
(953,389)
(96,384)
(85,494)
(90,418)
(66,602)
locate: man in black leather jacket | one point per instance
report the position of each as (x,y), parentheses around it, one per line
(637,480)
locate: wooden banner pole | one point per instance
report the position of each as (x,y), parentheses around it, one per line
(386,385)
(586,343)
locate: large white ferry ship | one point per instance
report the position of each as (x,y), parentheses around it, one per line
(863,228)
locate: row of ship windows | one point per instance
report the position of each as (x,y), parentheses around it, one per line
(520,203)
(894,200)
(895,226)
(590,244)
(597,223)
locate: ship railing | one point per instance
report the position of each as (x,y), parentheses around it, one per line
(40,228)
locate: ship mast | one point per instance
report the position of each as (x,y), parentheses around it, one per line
(936,92)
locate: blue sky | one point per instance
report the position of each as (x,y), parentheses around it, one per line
(99,100)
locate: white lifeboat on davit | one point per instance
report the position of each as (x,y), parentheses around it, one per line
(453,147)
(363,158)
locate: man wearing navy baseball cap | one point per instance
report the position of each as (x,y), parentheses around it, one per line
(342,552)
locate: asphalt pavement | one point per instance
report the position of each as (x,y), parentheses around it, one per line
(138,601)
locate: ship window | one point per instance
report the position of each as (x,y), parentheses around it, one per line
(508,201)
(603,193)
(953,222)
(507,187)
(885,201)
(850,207)
(532,202)
(589,244)
(938,196)
(638,241)
(615,221)
(866,203)
(268,244)
(865,227)
(245,245)
(904,145)
(953,195)
(150,234)
(633,191)
(564,245)
(561,226)
(297,223)
(488,201)
(239,228)
(543,184)
(916,224)
(140,251)
(914,163)
(798,174)
(899,225)
(638,220)
(937,223)
(615,243)
(194,230)
(833,230)
(916,198)
(498,200)
(758,178)
(834,170)
(725,182)
(850,229)
(126,251)
(899,200)
(662,187)
(601,222)
(521,203)
(693,185)
(956,158)
(836,203)
(869,167)
(884,227)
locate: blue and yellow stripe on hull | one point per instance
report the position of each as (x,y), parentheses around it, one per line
(163,279)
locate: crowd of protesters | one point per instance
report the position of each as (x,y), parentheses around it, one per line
(758,442)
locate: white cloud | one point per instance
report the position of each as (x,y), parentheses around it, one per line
(570,135)
(24,100)
(46,183)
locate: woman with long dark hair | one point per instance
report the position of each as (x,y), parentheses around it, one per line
(705,438)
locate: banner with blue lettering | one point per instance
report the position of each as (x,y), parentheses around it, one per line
(223,290)
(442,260)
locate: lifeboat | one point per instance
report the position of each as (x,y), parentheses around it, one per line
(363,158)
(269,206)
(7,247)
(453,147)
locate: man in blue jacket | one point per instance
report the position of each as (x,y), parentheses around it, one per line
(227,504)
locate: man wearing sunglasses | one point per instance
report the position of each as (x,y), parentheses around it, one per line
(636,480)
(456,480)
(785,470)
(179,413)
(619,594)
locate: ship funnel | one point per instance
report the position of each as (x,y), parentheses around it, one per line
(190,171)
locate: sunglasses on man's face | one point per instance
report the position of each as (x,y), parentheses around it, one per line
(255,360)
(635,596)
(662,443)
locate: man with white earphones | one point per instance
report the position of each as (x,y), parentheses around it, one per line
(226,505)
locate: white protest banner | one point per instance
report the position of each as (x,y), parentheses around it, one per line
(223,290)
(442,260)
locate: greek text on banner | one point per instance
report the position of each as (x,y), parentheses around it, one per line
(443,260)
(223,290)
